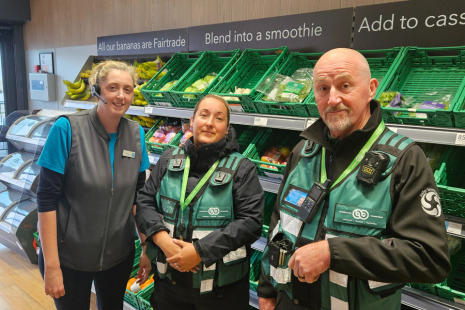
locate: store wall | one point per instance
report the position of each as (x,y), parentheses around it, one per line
(68,61)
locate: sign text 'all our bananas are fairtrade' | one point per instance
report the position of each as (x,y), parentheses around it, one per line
(155,42)
(309,32)
(422,23)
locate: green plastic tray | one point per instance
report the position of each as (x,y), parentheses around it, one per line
(245,135)
(425,70)
(266,138)
(450,178)
(144,297)
(159,148)
(459,111)
(248,72)
(255,269)
(176,68)
(134,298)
(383,64)
(217,62)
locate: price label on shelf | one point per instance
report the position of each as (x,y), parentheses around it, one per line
(148,110)
(310,122)
(260,121)
(454,228)
(460,139)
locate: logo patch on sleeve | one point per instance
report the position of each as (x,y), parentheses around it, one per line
(430,202)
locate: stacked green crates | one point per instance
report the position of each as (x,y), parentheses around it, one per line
(453,288)
(450,179)
(245,135)
(175,69)
(255,269)
(383,64)
(423,71)
(270,200)
(266,138)
(211,62)
(253,66)
(459,110)
(159,148)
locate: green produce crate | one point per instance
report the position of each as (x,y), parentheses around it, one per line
(459,111)
(248,72)
(450,178)
(217,62)
(255,269)
(144,304)
(159,148)
(143,298)
(176,68)
(137,255)
(134,298)
(383,64)
(36,237)
(425,287)
(266,138)
(294,61)
(265,230)
(245,135)
(270,201)
(454,286)
(422,71)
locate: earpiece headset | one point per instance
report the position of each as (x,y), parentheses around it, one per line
(95,90)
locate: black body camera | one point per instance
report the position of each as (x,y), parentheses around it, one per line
(373,165)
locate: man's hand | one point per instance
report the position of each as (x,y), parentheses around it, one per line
(266,303)
(309,261)
(145,266)
(187,259)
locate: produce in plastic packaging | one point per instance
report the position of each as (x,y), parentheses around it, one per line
(433,153)
(167,87)
(169,136)
(281,88)
(200,85)
(275,155)
(186,137)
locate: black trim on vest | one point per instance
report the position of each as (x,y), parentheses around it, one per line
(400,141)
(390,138)
(388,149)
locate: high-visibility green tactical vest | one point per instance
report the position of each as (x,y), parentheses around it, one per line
(351,210)
(208,211)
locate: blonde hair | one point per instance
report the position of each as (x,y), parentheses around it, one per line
(104,68)
(219,98)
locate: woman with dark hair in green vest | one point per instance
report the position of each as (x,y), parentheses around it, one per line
(202,207)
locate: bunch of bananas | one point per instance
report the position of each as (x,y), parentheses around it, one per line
(149,69)
(85,75)
(77,90)
(144,121)
(138,97)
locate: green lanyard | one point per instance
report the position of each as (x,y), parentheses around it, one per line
(185,203)
(357,158)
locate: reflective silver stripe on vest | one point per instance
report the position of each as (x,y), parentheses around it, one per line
(212,267)
(338,278)
(275,230)
(170,227)
(328,236)
(199,234)
(282,276)
(162,267)
(206,285)
(290,224)
(375,284)
(387,241)
(337,304)
(235,255)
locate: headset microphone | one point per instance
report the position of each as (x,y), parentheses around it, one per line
(95,90)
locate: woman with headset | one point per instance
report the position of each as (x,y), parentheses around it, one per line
(91,166)
(202,208)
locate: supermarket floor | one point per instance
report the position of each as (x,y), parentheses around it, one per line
(21,285)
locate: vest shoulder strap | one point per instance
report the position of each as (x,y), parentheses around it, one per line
(393,144)
(177,160)
(227,168)
(310,149)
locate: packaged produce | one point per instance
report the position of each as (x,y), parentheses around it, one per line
(167,87)
(187,135)
(200,85)
(186,125)
(238,91)
(166,132)
(149,69)
(275,155)
(455,243)
(281,88)
(437,99)
(433,153)
(394,99)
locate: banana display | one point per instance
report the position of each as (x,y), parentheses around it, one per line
(77,90)
(85,75)
(138,97)
(144,121)
(149,69)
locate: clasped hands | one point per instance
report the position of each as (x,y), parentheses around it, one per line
(311,260)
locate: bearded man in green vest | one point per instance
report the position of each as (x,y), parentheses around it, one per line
(358,213)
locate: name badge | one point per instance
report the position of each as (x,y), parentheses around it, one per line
(129,154)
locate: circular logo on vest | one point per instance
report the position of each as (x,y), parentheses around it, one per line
(430,202)
(360,214)
(214,211)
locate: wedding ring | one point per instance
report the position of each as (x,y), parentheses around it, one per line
(301,278)
(176,264)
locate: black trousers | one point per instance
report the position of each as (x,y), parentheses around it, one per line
(169,296)
(110,286)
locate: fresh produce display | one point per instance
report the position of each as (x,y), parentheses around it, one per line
(166,132)
(275,155)
(187,131)
(433,153)
(200,85)
(138,97)
(283,88)
(77,90)
(436,100)
(134,286)
(144,121)
(167,87)
(147,70)
(238,91)
(85,75)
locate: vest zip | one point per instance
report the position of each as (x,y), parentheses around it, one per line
(109,210)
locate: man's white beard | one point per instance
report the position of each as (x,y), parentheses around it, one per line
(338,123)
